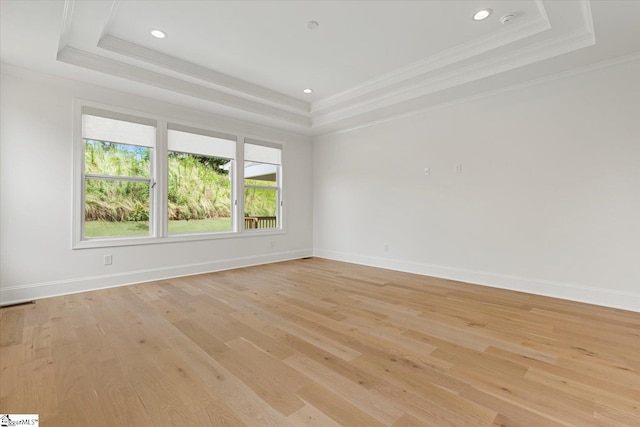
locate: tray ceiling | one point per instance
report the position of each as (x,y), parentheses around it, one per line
(366,61)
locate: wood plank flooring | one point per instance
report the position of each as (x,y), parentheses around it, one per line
(318,343)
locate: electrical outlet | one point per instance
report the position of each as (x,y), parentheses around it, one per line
(427,171)
(458,168)
(108,259)
(385,247)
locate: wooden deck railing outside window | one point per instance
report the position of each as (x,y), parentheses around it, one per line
(258,222)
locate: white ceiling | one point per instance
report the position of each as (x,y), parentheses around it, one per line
(367,61)
(268,43)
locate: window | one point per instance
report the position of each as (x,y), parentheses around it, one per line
(117,176)
(261,186)
(199,186)
(141,180)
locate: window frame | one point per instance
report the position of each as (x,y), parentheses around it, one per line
(203,132)
(158,212)
(277,188)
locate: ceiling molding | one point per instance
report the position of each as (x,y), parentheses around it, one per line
(411,89)
(393,94)
(457,54)
(587,16)
(67,19)
(336,130)
(226,82)
(113,10)
(421,79)
(542,11)
(101,64)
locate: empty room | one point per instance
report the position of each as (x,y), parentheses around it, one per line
(320,213)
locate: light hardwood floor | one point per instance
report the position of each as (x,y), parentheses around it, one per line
(319,343)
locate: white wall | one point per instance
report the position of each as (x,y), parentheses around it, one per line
(36,258)
(548,200)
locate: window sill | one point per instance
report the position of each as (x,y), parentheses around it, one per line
(176,238)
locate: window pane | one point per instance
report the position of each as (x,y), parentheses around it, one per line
(260,207)
(109,158)
(260,174)
(199,193)
(260,204)
(116,208)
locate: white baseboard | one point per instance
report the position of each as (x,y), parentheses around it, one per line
(605,297)
(591,295)
(23,293)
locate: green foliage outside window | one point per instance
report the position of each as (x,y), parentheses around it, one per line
(107,200)
(260,201)
(199,188)
(198,192)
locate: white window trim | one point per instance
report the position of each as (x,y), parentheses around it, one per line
(238,190)
(158,216)
(279,191)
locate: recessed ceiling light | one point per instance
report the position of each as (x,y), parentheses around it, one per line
(307,90)
(482,14)
(159,34)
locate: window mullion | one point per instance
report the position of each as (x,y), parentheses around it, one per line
(263,187)
(160,166)
(279,198)
(107,177)
(239,187)
(78,175)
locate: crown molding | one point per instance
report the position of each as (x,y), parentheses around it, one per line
(170,110)
(101,64)
(587,17)
(421,68)
(411,89)
(224,81)
(67,19)
(346,128)
(362,109)
(113,10)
